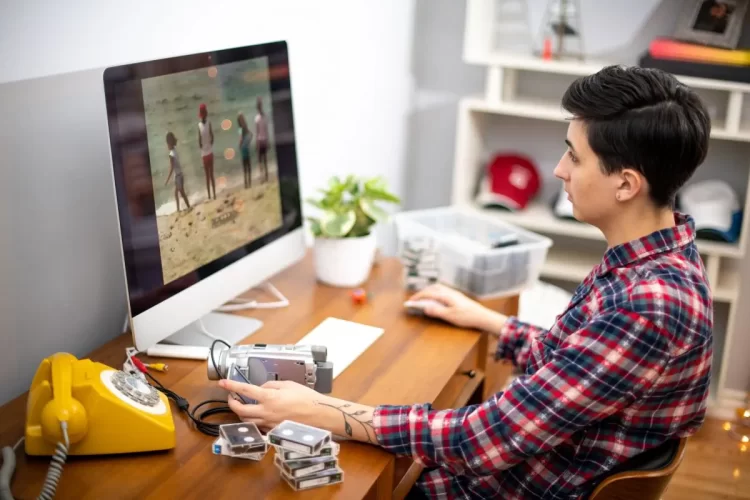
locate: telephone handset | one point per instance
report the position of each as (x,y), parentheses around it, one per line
(102,410)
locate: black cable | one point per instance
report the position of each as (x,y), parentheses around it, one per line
(198,420)
(213,360)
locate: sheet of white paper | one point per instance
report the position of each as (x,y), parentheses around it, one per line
(345,340)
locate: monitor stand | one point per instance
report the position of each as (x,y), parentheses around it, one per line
(231,328)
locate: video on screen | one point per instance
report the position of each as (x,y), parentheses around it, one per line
(213,162)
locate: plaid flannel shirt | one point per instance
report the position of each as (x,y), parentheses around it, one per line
(624,368)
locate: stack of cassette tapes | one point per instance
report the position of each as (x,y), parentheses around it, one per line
(307,457)
(241,441)
(420,264)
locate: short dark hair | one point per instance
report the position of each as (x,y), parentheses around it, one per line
(642,118)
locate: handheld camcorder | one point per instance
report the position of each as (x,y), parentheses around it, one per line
(258,363)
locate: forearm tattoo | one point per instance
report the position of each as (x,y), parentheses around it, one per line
(352,416)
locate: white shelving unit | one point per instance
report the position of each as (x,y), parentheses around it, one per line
(523,88)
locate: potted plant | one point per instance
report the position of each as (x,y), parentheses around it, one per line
(345,242)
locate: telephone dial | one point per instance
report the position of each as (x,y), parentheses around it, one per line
(94,410)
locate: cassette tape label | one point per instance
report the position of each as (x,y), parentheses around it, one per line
(289,445)
(309,483)
(309,470)
(331,449)
(324,478)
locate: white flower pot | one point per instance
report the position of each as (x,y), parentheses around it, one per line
(344,262)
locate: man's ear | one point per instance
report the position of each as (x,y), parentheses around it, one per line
(630,184)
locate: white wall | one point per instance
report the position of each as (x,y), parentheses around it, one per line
(350,61)
(351,88)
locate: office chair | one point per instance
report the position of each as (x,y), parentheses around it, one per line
(644,476)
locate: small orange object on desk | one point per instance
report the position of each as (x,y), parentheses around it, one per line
(359,296)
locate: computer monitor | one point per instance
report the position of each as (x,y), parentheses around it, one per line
(208,202)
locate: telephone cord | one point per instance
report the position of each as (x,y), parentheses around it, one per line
(56,466)
(54,473)
(6,471)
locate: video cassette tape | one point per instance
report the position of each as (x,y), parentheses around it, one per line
(306,466)
(331,449)
(221,447)
(243,438)
(324,478)
(293,436)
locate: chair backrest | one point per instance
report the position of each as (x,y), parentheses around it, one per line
(646,478)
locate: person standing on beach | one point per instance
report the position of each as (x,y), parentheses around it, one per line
(261,131)
(176,167)
(206,144)
(245,138)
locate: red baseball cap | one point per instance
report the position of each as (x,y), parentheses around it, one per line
(202,109)
(510,181)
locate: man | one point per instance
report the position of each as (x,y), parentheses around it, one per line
(626,366)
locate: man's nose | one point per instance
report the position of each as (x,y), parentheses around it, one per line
(559,171)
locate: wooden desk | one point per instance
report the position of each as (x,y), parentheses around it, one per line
(416,360)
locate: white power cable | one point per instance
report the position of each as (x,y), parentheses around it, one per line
(208,334)
(242,305)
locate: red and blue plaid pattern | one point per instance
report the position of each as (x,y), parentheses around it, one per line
(626,367)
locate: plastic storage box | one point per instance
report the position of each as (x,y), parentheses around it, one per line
(463,248)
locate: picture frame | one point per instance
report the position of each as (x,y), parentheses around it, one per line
(715,23)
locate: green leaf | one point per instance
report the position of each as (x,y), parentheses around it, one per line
(381,194)
(337,225)
(373,211)
(376,183)
(317,203)
(314,226)
(362,225)
(335,188)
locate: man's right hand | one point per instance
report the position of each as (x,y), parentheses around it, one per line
(458,309)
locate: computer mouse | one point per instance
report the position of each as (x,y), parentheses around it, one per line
(417,307)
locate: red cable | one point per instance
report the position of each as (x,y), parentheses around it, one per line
(139,364)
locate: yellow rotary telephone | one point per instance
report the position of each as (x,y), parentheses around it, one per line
(94,410)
